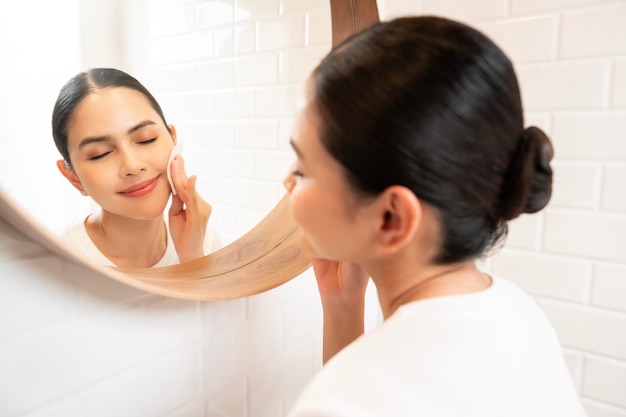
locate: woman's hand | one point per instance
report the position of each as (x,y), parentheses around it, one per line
(340,282)
(342,288)
(188,214)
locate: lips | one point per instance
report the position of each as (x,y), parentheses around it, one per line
(141,189)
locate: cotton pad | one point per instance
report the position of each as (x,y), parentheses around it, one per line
(177,150)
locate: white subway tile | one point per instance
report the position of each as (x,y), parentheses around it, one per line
(619,87)
(390,9)
(319,27)
(163,51)
(298,5)
(524,40)
(523,232)
(256,195)
(215,74)
(605,380)
(197,46)
(302,318)
(277,100)
(245,39)
(539,274)
(297,64)
(215,13)
(596,408)
(256,9)
(246,165)
(586,234)
(279,381)
(247,218)
(199,160)
(593,32)
(275,299)
(609,286)
(191,409)
(216,134)
(273,166)
(575,184)
(257,134)
(198,106)
(259,69)
(224,42)
(614,191)
(25,283)
(180,21)
(574,363)
(220,191)
(228,401)
(590,136)
(225,163)
(166,384)
(58,360)
(245,103)
(287,31)
(465,11)
(532,6)
(233,347)
(592,330)
(68,407)
(562,85)
(225,104)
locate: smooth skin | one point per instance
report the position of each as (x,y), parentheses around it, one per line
(119,148)
(391,238)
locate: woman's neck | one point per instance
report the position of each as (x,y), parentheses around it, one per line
(127,242)
(401,283)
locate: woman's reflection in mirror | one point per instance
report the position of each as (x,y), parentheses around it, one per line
(116,144)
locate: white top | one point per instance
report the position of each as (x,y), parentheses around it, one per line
(76,236)
(487,354)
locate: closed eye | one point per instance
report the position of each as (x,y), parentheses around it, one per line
(146,142)
(102,155)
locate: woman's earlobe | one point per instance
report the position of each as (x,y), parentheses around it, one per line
(67,171)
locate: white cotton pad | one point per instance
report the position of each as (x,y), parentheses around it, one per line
(177,150)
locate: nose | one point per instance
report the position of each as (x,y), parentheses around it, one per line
(289,181)
(131,162)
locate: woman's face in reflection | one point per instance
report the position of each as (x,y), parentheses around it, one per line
(119,148)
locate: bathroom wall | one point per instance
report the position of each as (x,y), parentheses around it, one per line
(227,73)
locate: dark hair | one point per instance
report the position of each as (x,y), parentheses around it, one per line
(79,87)
(434,105)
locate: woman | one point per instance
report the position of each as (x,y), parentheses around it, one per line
(115,145)
(411,158)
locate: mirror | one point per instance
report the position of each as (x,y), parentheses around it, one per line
(270,253)
(225,72)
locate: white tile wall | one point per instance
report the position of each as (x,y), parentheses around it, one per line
(227,73)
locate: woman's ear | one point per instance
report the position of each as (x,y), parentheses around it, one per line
(71,176)
(172,130)
(400,214)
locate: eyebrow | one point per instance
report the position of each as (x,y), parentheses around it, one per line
(133,129)
(295,148)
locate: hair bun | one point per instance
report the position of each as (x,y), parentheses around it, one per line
(528,185)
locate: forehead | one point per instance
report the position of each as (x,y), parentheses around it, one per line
(105,110)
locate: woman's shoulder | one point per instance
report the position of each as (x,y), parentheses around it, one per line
(76,236)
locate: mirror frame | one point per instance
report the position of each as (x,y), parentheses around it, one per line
(269,255)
